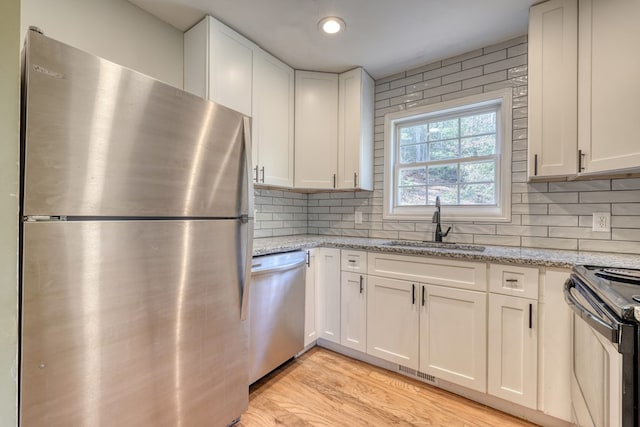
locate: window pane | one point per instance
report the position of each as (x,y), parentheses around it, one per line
(477,194)
(413,176)
(478,146)
(478,171)
(443,150)
(413,153)
(412,196)
(446,129)
(481,123)
(413,134)
(448,194)
(443,174)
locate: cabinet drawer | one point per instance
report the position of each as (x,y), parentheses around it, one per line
(354,261)
(456,274)
(512,280)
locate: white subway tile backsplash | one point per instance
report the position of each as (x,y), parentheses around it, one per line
(609,246)
(544,215)
(626,184)
(580,186)
(550,243)
(506,44)
(626,208)
(462,75)
(610,196)
(516,61)
(463,57)
(632,234)
(485,79)
(485,59)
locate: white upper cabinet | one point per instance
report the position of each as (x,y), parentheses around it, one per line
(334,130)
(553,89)
(609,87)
(355,130)
(316,119)
(218,65)
(225,67)
(584,91)
(273,86)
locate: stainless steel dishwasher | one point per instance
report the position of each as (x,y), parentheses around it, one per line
(276,311)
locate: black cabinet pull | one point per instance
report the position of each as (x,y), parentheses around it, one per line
(413,293)
(535,165)
(355,179)
(334,180)
(256,169)
(423,300)
(308,258)
(361,283)
(530,316)
(580,156)
(262,170)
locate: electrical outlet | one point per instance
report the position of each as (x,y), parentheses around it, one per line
(601,221)
(358,217)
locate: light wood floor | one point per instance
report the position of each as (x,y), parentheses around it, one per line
(323,388)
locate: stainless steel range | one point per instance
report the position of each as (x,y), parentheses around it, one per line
(606,327)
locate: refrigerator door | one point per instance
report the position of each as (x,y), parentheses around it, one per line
(132,323)
(102,140)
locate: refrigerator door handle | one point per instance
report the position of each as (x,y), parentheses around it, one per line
(248,252)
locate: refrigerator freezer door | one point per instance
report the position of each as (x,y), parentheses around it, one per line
(132,324)
(103,140)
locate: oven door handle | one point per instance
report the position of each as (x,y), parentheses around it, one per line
(610,331)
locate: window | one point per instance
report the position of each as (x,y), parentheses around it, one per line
(458,150)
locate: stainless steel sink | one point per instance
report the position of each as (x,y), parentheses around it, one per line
(440,245)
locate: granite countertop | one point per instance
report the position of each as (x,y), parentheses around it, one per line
(498,254)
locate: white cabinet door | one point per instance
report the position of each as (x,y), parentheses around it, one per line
(231,67)
(272,120)
(316,130)
(513,349)
(554,375)
(218,64)
(353,313)
(355,130)
(453,335)
(328,292)
(393,320)
(310,314)
(553,88)
(609,87)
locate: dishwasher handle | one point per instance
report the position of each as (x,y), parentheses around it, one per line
(277,263)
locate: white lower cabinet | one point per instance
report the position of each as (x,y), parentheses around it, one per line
(328,294)
(392,320)
(310,313)
(453,343)
(513,349)
(554,375)
(353,311)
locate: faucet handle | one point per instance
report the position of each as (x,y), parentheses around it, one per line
(446,232)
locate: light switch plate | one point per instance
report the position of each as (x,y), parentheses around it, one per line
(602,221)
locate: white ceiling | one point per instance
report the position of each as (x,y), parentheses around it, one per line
(383,36)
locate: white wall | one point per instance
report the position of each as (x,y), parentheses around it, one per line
(113,29)
(9,175)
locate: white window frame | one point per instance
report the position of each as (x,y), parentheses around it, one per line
(501,211)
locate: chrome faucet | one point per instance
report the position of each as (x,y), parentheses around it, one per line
(438,235)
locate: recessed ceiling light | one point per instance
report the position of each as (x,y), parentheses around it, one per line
(331,24)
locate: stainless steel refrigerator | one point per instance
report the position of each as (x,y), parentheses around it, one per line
(135,248)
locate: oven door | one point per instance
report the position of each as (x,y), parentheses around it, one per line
(602,390)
